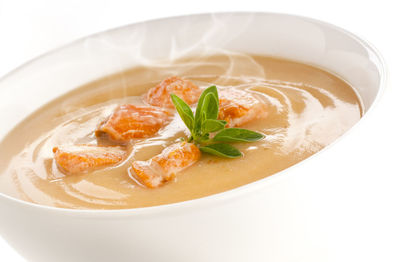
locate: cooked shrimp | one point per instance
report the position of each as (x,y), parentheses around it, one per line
(130,121)
(239,107)
(74,159)
(163,167)
(185,89)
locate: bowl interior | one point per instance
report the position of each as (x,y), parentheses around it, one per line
(149,43)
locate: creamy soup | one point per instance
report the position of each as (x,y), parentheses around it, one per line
(307,109)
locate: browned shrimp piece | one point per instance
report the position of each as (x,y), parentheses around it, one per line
(185,89)
(74,159)
(163,167)
(239,107)
(130,121)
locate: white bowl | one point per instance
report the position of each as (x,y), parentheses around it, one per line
(255,222)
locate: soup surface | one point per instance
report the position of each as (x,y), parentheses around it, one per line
(308,108)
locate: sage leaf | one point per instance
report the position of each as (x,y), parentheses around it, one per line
(200,104)
(237,135)
(184,111)
(205,121)
(222,150)
(210,106)
(212,125)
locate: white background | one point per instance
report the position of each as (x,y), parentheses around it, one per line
(30,28)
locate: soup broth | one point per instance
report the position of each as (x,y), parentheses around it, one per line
(308,108)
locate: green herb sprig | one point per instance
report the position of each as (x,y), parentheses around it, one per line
(205,121)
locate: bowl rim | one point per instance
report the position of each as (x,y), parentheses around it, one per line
(221,197)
